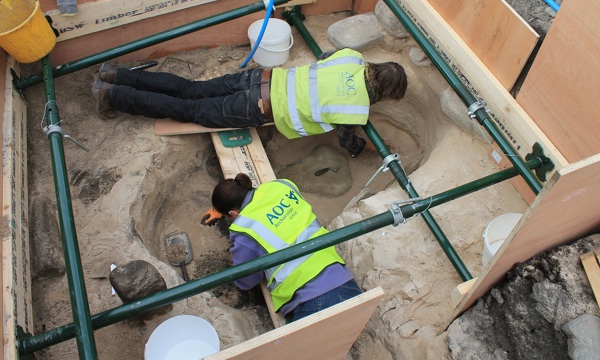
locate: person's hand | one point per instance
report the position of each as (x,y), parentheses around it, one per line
(210,217)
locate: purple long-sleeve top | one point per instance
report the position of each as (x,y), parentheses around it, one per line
(245,249)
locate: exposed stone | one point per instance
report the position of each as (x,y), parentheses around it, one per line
(137,279)
(584,337)
(389,22)
(456,110)
(418,57)
(358,32)
(538,297)
(47,258)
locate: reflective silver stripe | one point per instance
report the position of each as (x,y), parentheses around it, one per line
(292,107)
(341,61)
(284,271)
(313,93)
(261,231)
(346,109)
(288,184)
(287,268)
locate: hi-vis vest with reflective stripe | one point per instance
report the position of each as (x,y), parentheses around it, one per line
(278,217)
(307,99)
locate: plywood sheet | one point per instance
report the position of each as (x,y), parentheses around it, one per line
(328,334)
(518,128)
(501,39)
(565,210)
(561,90)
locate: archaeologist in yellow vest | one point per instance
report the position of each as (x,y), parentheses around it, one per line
(333,92)
(273,217)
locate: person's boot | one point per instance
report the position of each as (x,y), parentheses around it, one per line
(100,92)
(107,72)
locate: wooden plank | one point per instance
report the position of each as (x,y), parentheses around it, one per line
(328,334)
(261,162)
(591,266)
(7,344)
(573,191)
(16,274)
(165,127)
(519,129)
(101,15)
(501,39)
(252,160)
(561,89)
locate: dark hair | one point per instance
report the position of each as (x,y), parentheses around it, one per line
(388,80)
(229,194)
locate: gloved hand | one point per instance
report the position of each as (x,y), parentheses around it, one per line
(210,217)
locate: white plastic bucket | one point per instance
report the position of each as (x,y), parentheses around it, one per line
(182,337)
(277,40)
(495,233)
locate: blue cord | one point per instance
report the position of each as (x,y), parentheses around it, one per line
(260,35)
(553,5)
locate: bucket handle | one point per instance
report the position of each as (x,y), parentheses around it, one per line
(278,51)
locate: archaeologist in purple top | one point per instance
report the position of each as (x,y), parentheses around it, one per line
(335,91)
(273,217)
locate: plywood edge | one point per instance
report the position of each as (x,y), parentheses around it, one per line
(519,129)
(252,160)
(330,332)
(575,189)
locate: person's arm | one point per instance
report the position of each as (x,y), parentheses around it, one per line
(243,250)
(348,140)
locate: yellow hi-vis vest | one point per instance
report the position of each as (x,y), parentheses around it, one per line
(278,217)
(307,100)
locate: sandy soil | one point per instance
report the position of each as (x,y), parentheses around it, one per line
(133,188)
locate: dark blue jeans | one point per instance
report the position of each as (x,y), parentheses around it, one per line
(226,101)
(335,296)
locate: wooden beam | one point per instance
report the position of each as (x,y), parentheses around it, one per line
(252,160)
(560,92)
(327,334)
(101,15)
(565,210)
(232,32)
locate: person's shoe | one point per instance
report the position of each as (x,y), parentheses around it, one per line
(100,92)
(107,72)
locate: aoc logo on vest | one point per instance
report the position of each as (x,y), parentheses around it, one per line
(282,211)
(347,85)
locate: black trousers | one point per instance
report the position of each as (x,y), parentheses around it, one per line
(223,102)
(229,101)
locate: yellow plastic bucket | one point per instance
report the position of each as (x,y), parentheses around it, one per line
(25,34)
